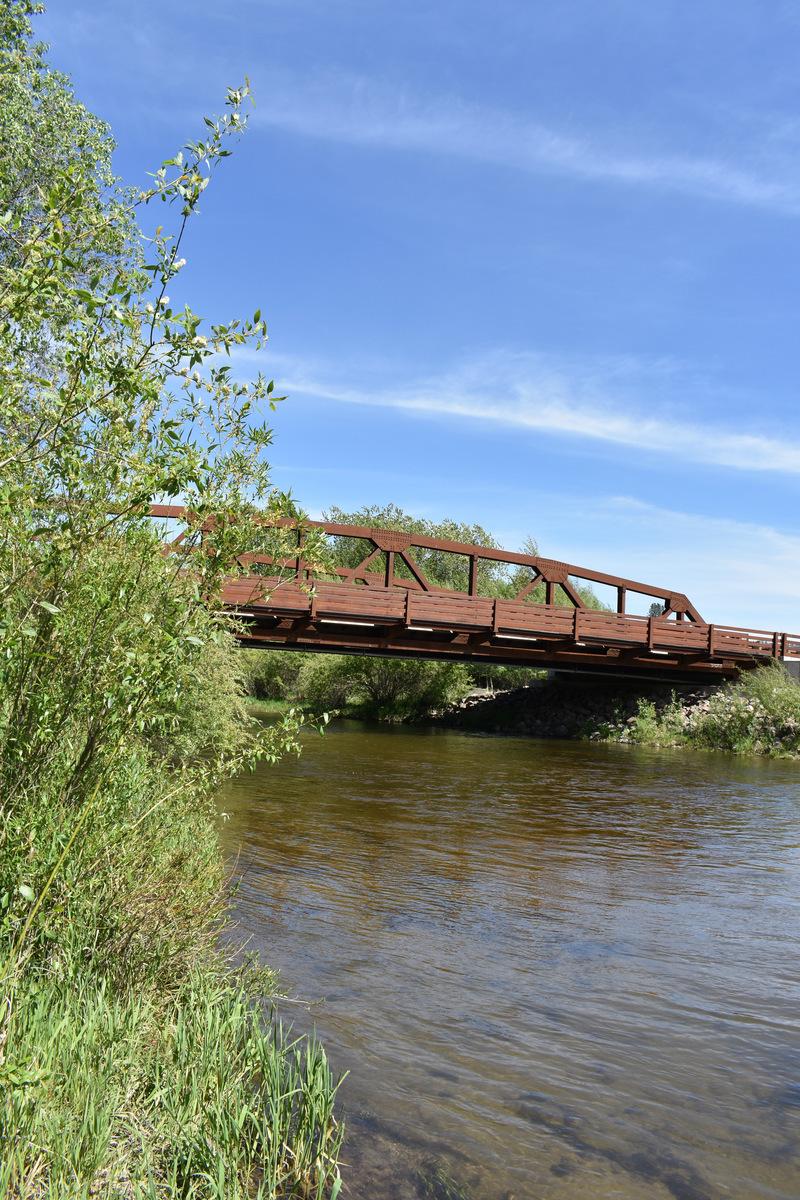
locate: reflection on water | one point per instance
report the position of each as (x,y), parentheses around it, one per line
(554,971)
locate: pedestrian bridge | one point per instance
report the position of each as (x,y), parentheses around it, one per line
(542,612)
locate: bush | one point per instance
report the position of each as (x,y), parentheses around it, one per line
(403,689)
(759,713)
(131,1060)
(272,674)
(657,727)
(382,688)
(125,1047)
(126,1051)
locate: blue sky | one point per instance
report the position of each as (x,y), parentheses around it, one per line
(531,265)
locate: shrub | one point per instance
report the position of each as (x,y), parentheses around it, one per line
(272,674)
(404,689)
(654,727)
(128,1053)
(382,688)
(759,713)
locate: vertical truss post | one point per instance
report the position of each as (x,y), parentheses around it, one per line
(776,645)
(389,568)
(549,592)
(621,594)
(711,632)
(473,574)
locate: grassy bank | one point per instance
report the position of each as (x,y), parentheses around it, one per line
(133,1060)
(757,714)
(267,707)
(147,1093)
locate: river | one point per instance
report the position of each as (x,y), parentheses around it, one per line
(554,971)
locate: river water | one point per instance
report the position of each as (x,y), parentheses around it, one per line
(555,971)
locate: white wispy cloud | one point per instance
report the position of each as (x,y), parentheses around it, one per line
(591,401)
(357,111)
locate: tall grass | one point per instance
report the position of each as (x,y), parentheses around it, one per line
(135,1095)
(132,1062)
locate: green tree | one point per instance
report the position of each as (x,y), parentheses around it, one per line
(389,689)
(120,696)
(442,569)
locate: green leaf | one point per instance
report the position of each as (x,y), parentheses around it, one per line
(48,607)
(26,892)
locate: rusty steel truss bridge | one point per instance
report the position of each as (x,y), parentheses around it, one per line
(386,606)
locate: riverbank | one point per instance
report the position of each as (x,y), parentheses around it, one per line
(134,1059)
(757,714)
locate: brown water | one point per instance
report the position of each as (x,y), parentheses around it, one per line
(554,970)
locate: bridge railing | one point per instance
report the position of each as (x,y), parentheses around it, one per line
(347,604)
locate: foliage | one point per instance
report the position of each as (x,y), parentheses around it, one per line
(502,678)
(120,706)
(442,569)
(652,726)
(381,688)
(185,1095)
(273,674)
(325,681)
(100,635)
(759,713)
(385,688)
